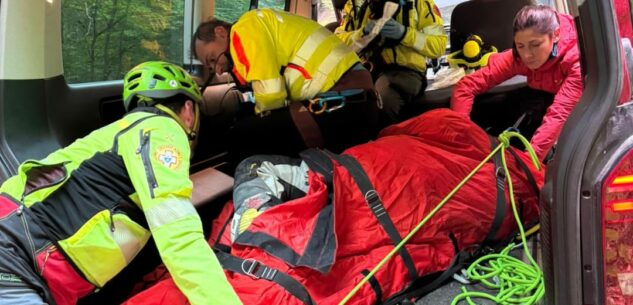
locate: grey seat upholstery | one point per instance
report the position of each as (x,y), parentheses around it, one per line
(492,20)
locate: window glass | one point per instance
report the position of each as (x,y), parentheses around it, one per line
(446,9)
(276,4)
(231,10)
(325,12)
(103,39)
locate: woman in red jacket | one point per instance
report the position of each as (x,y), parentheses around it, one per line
(545,50)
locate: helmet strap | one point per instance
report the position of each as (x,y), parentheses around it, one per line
(191,133)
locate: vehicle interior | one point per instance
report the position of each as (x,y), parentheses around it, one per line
(62,61)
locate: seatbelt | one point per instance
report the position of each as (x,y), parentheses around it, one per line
(257,270)
(306,125)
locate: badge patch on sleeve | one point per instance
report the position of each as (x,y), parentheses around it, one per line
(169,156)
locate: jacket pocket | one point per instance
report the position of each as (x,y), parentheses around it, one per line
(104,245)
(39,176)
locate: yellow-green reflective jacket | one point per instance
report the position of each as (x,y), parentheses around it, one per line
(100,198)
(286,58)
(424,37)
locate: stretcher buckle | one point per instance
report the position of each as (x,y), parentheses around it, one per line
(251,270)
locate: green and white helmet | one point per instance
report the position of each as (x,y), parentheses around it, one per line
(157,80)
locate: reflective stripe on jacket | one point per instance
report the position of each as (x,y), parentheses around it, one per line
(101,197)
(285,57)
(424,37)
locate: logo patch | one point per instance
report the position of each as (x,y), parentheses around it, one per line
(169,156)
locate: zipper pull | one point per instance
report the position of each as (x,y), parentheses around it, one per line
(142,144)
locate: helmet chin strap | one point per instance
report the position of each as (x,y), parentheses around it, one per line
(192,133)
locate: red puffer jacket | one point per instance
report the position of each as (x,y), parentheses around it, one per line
(560,75)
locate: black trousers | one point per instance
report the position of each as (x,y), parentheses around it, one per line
(276,132)
(497,112)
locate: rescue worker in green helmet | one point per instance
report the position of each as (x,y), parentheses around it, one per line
(73,220)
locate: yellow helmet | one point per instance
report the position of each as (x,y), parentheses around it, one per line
(472,47)
(473,55)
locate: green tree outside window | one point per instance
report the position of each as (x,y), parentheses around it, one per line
(103,39)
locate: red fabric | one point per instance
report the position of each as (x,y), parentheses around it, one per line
(65,284)
(241,56)
(7,206)
(412,165)
(560,75)
(623,15)
(306,75)
(294,231)
(222,225)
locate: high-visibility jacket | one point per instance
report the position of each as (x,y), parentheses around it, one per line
(285,57)
(424,36)
(100,198)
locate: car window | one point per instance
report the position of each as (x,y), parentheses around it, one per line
(446,9)
(231,10)
(325,12)
(276,4)
(102,39)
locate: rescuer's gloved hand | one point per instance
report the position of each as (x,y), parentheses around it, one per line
(369,26)
(392,30)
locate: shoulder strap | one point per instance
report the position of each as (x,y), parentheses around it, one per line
(408,5)
(376,206)
(528,173)
(500,182)
(321,161)
(318,161)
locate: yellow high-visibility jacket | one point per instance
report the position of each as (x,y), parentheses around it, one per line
(424,37)
(101,197)
(285,57)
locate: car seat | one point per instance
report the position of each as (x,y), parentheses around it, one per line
(490,19)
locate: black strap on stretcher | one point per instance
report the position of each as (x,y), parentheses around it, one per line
(257,270)
(423,286)
(320,161)
(500,211)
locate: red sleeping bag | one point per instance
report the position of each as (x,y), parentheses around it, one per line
(315,249)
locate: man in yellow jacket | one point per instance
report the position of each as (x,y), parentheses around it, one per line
(289,60)
(413,35)
(72,221)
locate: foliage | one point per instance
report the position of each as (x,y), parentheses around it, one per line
(102,39)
